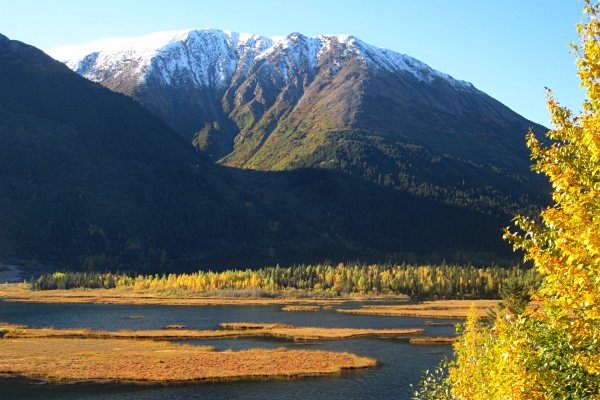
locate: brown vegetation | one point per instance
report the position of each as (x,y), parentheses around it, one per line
(232,330)
(242,326)
(150,361)
(22,293)
(175,326)
(302,308)
(429,309)
(432,340)
(433,323)
(312,333)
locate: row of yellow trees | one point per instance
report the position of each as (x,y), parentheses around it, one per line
(442,281)
(416,281)
(552,352)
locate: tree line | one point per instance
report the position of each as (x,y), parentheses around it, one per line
(417,281)
(552,350)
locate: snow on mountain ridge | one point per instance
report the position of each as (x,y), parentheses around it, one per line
(145,46)
(211,57)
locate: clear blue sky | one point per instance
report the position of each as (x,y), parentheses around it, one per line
(510,49)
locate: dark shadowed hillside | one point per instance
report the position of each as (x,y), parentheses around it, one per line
(325,102)
(92,180)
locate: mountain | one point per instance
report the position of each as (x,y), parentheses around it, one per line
(327,149)
(373,148)
(91,179)
(213,85)
(327,102)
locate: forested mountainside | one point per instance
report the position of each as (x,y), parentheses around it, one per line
(92,180)
(325,102)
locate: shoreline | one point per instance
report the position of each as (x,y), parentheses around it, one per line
(139,382)
(18,293)
(229,330)
(152,362)
(398,306)
(435,309)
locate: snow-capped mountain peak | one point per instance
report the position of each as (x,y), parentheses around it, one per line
(105,51)
(211,57)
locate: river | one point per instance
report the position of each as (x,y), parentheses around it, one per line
(400,363)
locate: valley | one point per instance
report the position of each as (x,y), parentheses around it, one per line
(234,150)
(276,362)
(206,214)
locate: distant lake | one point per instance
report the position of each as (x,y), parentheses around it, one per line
(401,363)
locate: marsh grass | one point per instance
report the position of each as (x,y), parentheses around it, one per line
(175,326)
(445,309)
(432,340)
(127,295)
(243,326)
(302,308)
(229,330)
(145,361)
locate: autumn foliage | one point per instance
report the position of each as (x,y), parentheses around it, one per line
(552,352)
(417,281)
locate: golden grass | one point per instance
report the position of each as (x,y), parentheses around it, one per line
(431,340)
(153,362)
(303,308)
(175,326)
(242,326)
(312,333)
(154,334)
(450,309)
(22,293)
(433,323)
(232,330)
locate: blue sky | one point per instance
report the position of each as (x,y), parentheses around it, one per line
(510,49)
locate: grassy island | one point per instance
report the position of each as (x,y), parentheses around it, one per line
(444,309)
(23,293)
(145,361)
(306,308)
(229,330)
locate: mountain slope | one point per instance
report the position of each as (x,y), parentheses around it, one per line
(89,178)
(330,101)
(203,80)
(375,150)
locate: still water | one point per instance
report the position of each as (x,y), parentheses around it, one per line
(400,363)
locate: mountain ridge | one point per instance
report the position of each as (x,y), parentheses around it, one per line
(327,102)
(332,160)
(214,86)
(93,180)
(228,92)
(145,47)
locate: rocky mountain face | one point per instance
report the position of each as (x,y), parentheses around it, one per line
(90,179)
(372,149)
(329,101)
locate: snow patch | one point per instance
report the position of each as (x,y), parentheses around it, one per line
(211,58)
